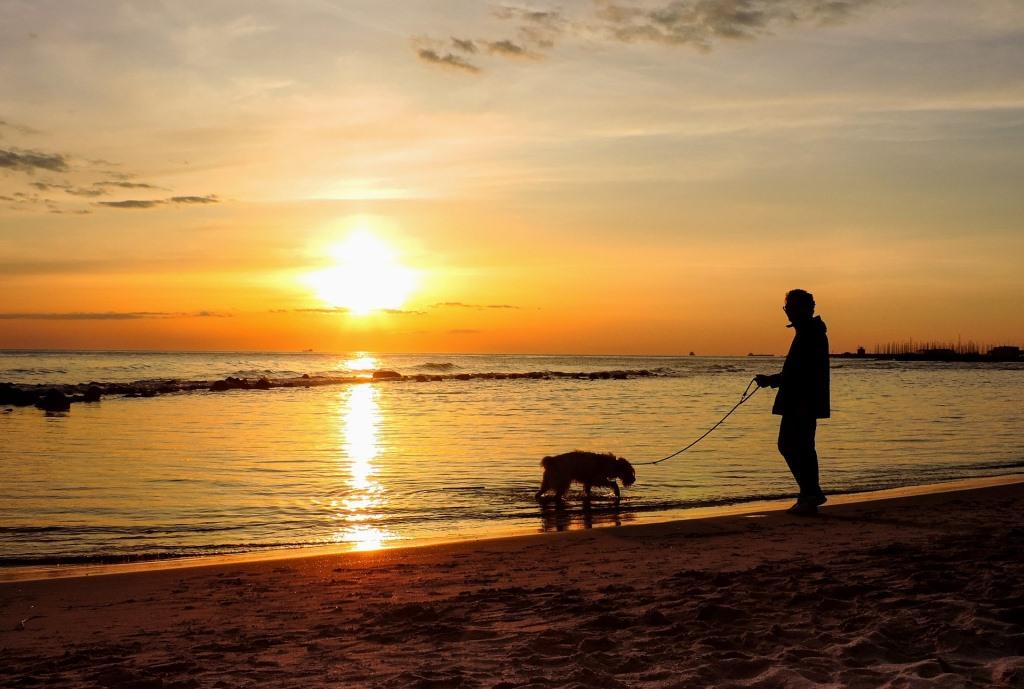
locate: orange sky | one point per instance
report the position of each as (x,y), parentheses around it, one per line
(588,176)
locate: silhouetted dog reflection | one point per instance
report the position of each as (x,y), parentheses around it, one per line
(587,468)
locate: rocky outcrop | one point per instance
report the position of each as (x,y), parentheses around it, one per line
(57,398)
(53,400)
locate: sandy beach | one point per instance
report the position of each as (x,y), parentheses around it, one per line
(923,590)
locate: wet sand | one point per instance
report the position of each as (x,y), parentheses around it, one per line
(921,590)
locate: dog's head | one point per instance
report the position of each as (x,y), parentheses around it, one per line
(624,472)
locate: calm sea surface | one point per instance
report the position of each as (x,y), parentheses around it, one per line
(370,464)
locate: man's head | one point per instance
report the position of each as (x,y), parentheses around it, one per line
(799,305)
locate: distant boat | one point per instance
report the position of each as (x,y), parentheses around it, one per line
(306,351)
(752,354)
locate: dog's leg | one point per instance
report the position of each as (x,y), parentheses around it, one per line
(544,486)
(610,483)
(560,490)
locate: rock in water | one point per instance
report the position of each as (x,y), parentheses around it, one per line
(54,400)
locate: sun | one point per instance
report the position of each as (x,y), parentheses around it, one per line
(366,276)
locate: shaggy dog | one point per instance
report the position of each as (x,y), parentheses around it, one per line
(587,468)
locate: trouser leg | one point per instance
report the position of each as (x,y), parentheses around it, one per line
(796,443)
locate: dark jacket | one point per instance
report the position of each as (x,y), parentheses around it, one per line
(803,383)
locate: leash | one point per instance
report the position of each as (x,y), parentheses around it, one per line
(747,394)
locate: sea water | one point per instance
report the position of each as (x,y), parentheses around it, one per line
(372,464)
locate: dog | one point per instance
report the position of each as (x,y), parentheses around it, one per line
(586,468)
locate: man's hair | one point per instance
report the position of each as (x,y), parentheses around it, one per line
(800,297)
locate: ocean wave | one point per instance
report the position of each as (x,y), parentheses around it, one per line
(436,366)
(265,373)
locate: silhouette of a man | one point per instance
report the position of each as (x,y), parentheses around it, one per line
(803,398)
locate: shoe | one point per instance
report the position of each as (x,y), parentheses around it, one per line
(803,509)
(814,500)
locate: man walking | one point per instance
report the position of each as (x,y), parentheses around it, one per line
(803,398)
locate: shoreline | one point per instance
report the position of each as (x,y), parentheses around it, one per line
(26,573)
(924,589)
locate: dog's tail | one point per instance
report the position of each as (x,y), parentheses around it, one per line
(546,462)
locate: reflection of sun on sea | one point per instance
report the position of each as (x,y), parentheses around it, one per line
(362,365)
(366,277)
(364,537)
(361,434)
(366,495)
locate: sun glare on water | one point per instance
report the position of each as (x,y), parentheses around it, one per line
(366,277)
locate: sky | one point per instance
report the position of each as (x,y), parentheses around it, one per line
(586,176)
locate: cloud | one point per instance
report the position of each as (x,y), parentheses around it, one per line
(85,191)
(325,309)
(402,312)
(32,266)
(30,161)
(469,46)
(464,331)
(702,23)
(125,185)
(153,203)
(209,198)
(20,128)
(507,48)
(68,189)
(131,203)
(107,315)
(46,186)
(447,60)
(343,309)
(539,28)
(463,305)
(466,45)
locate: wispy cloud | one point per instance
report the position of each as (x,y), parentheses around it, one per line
(30,161)
(69,189)
(343,310)
(209,198)
(324,309)
(125,185)
(700,24)
(450,60)
(85,191)
(153,203)
(19,128)
(107,315)
(131,203)
(466,45)
(78,177)
(507,48)
(463,305)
